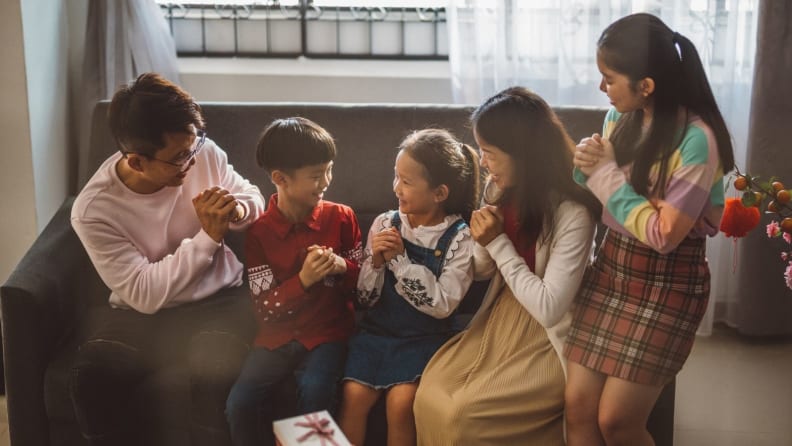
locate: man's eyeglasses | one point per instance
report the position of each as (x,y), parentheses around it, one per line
(182,160)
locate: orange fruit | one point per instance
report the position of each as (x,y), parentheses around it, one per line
(773,206)
(759,198)
(777,186)
(783,196)
(786,224)
(740,183)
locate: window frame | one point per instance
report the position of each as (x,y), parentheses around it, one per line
(274,16)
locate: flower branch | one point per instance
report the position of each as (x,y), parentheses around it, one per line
(741,215)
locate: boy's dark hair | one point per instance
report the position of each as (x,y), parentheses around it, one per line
(450,162)
(640,46)
(291,143)
(520,123)
(142,111)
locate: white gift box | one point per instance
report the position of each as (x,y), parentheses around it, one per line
(317,428)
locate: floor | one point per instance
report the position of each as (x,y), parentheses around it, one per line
(735,392)
(732,392)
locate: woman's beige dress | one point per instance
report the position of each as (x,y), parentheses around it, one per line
(498,383)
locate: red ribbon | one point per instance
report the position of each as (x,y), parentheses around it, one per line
(319,427)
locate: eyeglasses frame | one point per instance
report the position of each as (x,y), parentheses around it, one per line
(200,136)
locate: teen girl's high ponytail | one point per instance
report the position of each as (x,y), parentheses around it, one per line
(697,96)
(641,46)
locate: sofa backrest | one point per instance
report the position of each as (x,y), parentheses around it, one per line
(366,136)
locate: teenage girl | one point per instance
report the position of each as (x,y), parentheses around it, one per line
(657,169)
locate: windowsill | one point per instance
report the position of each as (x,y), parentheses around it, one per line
(411,69)
(317,80)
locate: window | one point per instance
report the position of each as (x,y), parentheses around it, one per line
(384,29)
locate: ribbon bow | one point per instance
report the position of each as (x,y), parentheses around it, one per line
(319,427)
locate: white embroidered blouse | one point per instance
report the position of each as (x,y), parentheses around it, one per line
(444,292)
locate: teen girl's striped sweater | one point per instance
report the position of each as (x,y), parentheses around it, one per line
(693,201)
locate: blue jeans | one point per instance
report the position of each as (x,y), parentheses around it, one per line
(249,408)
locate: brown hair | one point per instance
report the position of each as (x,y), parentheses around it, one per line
(450,162)
(142,111)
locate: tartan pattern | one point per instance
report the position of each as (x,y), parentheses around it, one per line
(637,312)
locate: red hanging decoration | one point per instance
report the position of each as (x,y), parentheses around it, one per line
(737,219)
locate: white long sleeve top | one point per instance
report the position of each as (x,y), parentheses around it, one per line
(446,291)
(546,293)
(150,249)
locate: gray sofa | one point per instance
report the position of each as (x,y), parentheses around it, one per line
(45,301)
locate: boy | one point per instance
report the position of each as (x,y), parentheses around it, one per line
(303,258)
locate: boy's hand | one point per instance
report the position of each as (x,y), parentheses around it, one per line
(238,214)
(214,208)
(486,224)
(385,245)
(339,264)
(317,264)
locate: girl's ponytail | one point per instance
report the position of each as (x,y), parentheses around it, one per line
(472,183)
(697,96)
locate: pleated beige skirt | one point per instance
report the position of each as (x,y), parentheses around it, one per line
(500,382)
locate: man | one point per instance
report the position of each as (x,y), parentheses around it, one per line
(152,220)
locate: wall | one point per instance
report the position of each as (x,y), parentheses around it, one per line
(35,174)
(18,205)
(316,80)
(45,29)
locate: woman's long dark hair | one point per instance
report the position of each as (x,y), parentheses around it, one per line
(642,46)
(520,123)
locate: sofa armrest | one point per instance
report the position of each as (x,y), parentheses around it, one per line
(39,305)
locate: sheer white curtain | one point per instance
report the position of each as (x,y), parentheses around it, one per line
(123,39)
(549,46)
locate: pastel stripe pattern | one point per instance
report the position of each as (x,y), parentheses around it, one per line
(693,200)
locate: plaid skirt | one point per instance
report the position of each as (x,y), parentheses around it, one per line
(637,311)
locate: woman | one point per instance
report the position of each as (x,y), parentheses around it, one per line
(501,381)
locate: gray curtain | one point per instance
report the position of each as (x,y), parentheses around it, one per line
(123,39)
(764,303)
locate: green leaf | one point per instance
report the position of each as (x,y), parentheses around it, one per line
(765,185)
(748,199)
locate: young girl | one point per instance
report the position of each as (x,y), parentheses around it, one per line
(501,381)
(658,171)
(419,265)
